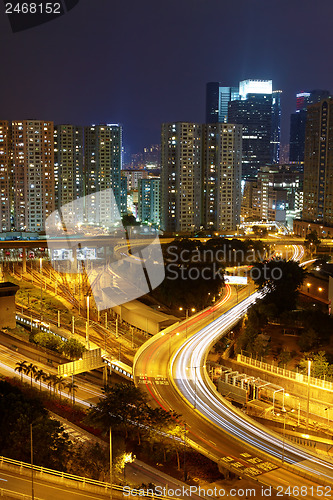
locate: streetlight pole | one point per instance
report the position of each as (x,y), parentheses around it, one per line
(308,401)
(278,390)
(111,475)
(32,464)
(185,474)
(87,324)
(284,435)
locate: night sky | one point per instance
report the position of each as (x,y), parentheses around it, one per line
(141,63)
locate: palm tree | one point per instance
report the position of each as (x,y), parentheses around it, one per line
(60,382)
(31,370)
(49,379)
(21,367)
(39,377)
(72,388)
(54,382)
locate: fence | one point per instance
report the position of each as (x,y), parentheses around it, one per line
(14,494)
(83,481)
(298,377)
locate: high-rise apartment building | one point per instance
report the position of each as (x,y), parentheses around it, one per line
(68,164)
(123,195)
(33,173)
(149,200)
(217,100)
(222,167)
(255,115)
(201,176)
(276,126)
(181,176)
(275,195)
(298,122)
(133,176)
(5,176)
(318,164)
(103,160)
(255,106)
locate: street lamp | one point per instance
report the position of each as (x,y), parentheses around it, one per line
(278,390)
(87,323)
(308,401)
(308,285)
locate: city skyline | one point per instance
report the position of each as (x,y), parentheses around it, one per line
(142,92)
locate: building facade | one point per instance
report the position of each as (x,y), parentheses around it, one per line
(6,191)
(217,101)
(33,173)
(318,164)
(222,167)
(298,122)
(68,166)
(181,177)
(102,172)
(201,177)
(275,195)
(149,200)
(255,106)
(255,115)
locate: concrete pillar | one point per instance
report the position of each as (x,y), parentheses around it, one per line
(75,259)
(24,259)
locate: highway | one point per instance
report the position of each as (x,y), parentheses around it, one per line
(15,482)
(171,368)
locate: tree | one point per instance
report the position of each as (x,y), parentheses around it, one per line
(21,367)
(59,384)
(284,358)
(282,278)
(312,241)
(39,377)
(320,367)
(129,220)
(50,379)
(308,340)
(72,388)
(121,407)
(17,412)
(31,370)
(73,348)
(49,341)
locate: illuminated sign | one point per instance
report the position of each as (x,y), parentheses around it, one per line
(255,87)
(235,280)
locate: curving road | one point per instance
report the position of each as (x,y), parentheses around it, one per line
(171,367)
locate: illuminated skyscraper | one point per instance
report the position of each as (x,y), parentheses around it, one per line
(201,176)
(217,100)
(33,173)
(149,200)
(103,149)
(68,154)
(181,176)
(258,108)
(318,164)
(255,115)
(298,122)
(222,166)
(5,176)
